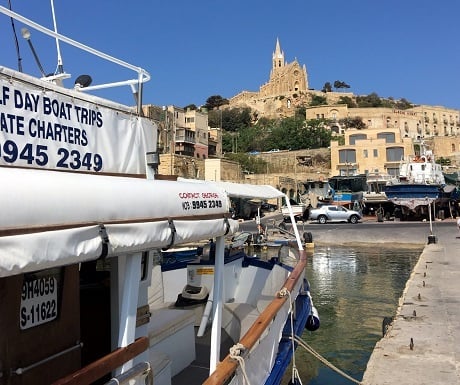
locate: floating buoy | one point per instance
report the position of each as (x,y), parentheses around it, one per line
(308,237)
(313,322)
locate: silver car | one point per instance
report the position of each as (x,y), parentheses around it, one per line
(333,213)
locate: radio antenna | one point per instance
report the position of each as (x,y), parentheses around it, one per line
(60,68)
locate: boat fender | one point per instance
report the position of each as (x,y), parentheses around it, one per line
(259,238)
(308,237)
(313,322)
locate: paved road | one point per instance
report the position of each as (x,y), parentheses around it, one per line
(367,231)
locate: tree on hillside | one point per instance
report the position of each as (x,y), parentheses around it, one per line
(371,100)
(356,122)
(348,101)
(403,104)
(327,87)
(339,84)
(235,119)
(192,107)
(318,100)
(215,101)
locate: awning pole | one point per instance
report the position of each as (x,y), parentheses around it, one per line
(294,224)
(128,304)
(218,303)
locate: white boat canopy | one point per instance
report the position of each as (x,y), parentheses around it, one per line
(238,190)
(52,218)
(250,191)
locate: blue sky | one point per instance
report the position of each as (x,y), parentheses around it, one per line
(195,49)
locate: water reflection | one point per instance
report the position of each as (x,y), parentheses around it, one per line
(353,288)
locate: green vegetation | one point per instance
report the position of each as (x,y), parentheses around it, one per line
(249,164)
(244,132)
(241,135)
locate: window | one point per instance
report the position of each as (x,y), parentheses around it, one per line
(353,138)
(347,156)
(376,153)
(388,136)
(365,154)
(393,171)
(394,154)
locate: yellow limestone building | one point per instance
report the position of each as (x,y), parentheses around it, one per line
(389,135)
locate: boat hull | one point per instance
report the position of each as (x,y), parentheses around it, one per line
(412,195)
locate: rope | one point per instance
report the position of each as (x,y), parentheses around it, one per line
(235,353)
(295,373)
(309,349)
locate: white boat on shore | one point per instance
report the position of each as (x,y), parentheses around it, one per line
(86,295)
(419,184)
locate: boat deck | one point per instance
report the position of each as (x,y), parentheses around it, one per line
(198,371)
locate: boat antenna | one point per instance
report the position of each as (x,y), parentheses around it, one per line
(13,25)
(60,68)
(26,35)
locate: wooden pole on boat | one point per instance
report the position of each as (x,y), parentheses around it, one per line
(228,366)
(218,304)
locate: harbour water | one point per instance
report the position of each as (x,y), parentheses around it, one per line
(353,289)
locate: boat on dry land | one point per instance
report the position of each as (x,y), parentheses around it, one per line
(419,185)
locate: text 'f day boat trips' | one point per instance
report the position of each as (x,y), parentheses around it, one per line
(419,184)
(85,297)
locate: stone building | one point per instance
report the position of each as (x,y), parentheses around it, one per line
(388,136)
(369,151)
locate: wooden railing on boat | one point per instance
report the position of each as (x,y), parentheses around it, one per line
(106,364)
(228,366)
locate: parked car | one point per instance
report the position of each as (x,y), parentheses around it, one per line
(334,213)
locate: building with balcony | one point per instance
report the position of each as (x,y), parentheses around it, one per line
(369,151)
(417,123)
(388,136)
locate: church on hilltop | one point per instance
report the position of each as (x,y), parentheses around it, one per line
(285,78)
(286,90)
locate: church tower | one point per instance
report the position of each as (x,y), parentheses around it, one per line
(278,57)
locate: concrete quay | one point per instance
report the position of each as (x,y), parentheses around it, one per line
(422,345)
